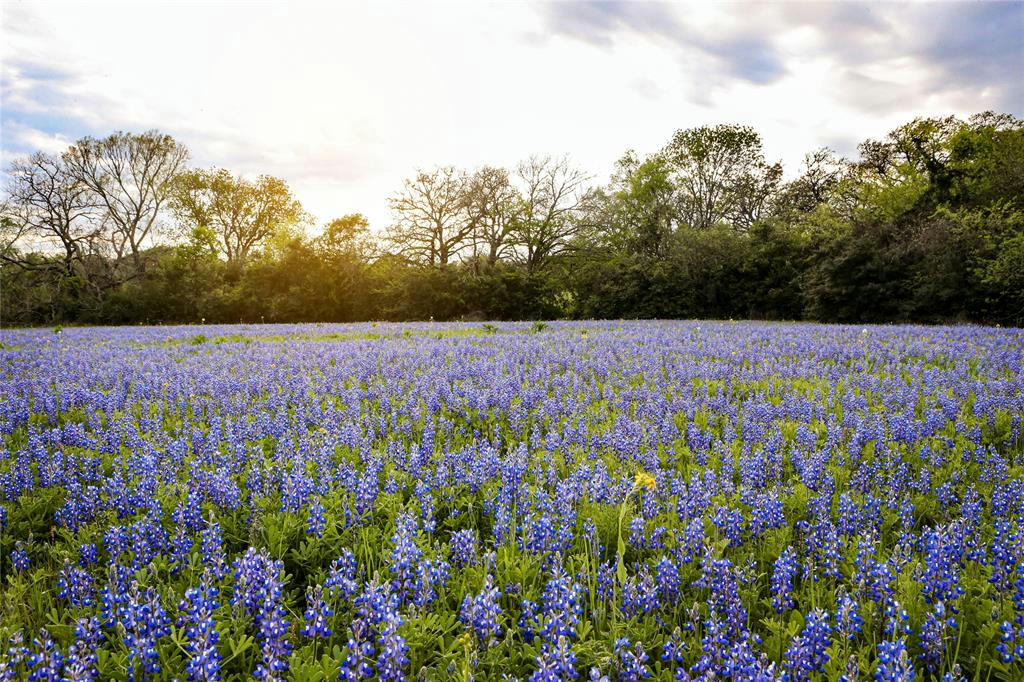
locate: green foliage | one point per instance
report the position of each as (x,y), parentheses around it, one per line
(925,225)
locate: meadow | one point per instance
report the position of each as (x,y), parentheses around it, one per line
(560,501)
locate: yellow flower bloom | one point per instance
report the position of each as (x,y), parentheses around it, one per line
(645,480)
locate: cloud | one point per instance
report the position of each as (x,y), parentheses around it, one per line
(599,22)
(975,48)
(344,100)
(964,50)
(747,55)
(40,110)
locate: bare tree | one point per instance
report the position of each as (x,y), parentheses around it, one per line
(554,194)
(242,214)
(754,193)
(823,171)
(434,222)
(47,210)
(494,202)
(130,175)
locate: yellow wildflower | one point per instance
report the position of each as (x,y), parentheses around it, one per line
(644,480)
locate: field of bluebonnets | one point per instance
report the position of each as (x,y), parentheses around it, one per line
(602,501)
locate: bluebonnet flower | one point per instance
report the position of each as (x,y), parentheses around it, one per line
(181,550)
(146,622)
(317,615)
(719,579)
(606,581)
(1011,642)
(317,520)
(730,524)
(115,541)
(637,532)
(852,671)
(367,489)
(75,584)
(258,589)
(896,620)
(675,649)
(667,577)
(639,595)
(357,663)
(341,579)
(767,513)
(943,553)
(464,548)
(431,575)
(786,567)
(88,555)
(880,581)
(893,662)
(934,636)
(189,513)
(114,596)
(274,645)
(19,558)
(556,662)
(13,658)
(406,555)
(693,541)
(806,655)
(427,506)
(631,661)
(198,607)
(392,659)
(527,622)
(374,602)
(561,606)
(847,617)
(46,661)
(590,538)
(82,660)
(212,547)
(823,549)
(480,612)
(257,582)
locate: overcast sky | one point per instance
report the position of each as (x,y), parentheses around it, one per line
(345,100)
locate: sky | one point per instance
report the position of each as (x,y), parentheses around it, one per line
(345,100)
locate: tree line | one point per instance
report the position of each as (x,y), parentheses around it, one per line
(926,224)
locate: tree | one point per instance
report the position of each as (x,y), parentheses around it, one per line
(493,203)
(243,214)
(342,255)
(816,185)
(987,156)
(48,210)
(434,220)
(346,237)
(130,175)
(721,175)
(554,196)
(639,209)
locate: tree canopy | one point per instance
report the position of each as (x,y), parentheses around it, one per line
(925,224)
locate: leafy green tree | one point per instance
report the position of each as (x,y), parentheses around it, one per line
(242,214)
(720,175)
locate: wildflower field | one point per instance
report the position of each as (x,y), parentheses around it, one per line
(570,501)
